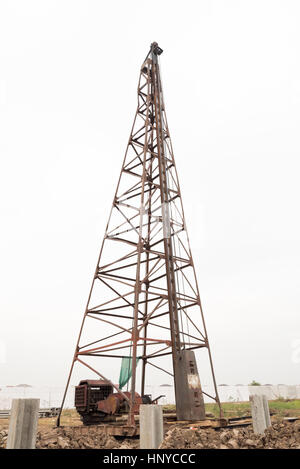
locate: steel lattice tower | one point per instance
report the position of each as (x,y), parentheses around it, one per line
(145,290)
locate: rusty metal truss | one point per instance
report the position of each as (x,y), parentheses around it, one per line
(145,290)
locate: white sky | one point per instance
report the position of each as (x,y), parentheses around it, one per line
(68,80)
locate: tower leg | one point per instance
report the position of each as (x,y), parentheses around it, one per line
(188,392)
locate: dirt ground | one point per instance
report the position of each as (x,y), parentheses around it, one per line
(281,435)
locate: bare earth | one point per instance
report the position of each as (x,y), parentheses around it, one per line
(281,435)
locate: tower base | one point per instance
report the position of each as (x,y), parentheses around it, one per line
(188,392)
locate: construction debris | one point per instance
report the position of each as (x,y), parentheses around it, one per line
(93,439)
(280,435)
(283,435)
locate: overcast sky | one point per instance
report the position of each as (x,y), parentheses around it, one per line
(68,81)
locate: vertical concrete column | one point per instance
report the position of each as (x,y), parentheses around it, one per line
(151,426)
(258,410)
(23,424)
(267,411)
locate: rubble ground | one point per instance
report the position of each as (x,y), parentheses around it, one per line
(283,435)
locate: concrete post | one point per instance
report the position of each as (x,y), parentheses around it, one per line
(267,411)
(151,426)
(23,424)
(258,411)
